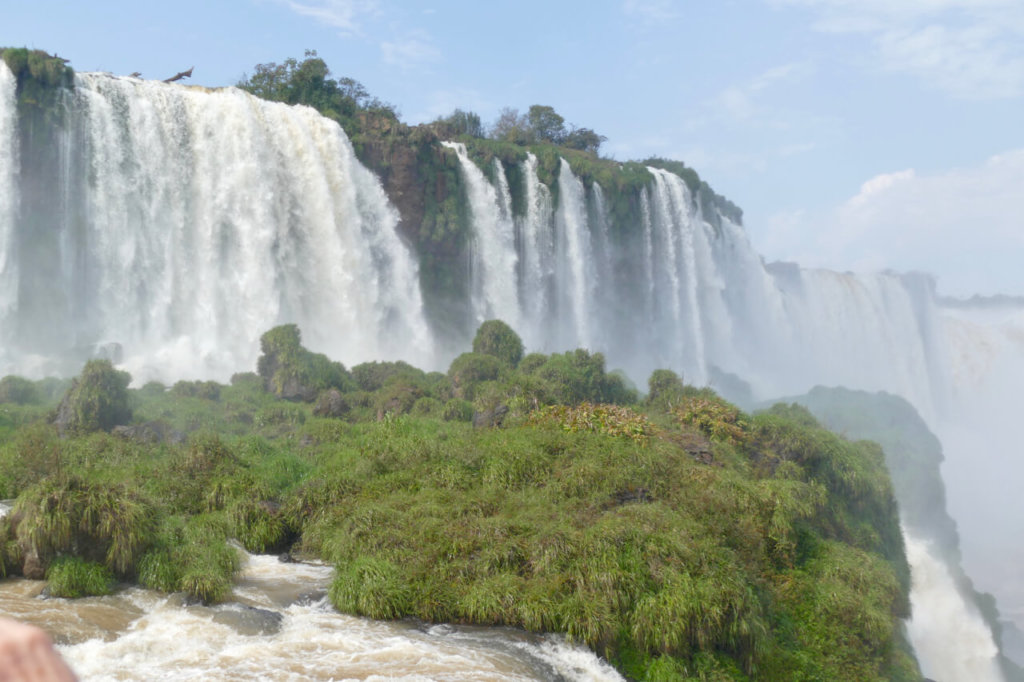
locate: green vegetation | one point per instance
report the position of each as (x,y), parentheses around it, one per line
(496,338)
(40,77)
(72,577)
(97,400)
(294,373)
(309,82)
(913,454)
(423,179)
(678,537)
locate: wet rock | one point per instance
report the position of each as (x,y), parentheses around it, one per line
(490,418)
(183,599)
(331,403)
(32,566)
(249,620)
(150,433)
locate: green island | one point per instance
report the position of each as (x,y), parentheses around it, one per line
(674,534)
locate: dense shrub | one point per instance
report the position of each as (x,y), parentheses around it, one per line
(372,376)
(457,410)
(664,388)
(496,338)
(578,376)
(14,389)
(470,369)
(97,400)
(294,373)
(72,577)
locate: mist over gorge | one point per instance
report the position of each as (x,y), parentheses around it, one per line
(167,227)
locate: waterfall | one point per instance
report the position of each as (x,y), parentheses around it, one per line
(537,245)
(180,223)
(575,269)
(199,219)
(676,266)
(495,290)
(687,291)
(8,196)
(952,642)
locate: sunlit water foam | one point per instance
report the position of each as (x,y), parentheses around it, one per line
(143,635)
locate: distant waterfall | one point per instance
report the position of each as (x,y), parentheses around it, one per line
(680,289)
(494,259)
(8,195)
(952,642)
(198,219)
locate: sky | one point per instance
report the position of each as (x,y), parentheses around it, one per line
(855,134)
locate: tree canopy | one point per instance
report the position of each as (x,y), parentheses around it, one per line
(541,123)
(309,82)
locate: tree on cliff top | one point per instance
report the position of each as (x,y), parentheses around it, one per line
(309,82)
(541,123)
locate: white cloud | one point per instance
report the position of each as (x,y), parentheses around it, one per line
(343,15)
(413,51)
(972,49)
(964,226)
(879,184)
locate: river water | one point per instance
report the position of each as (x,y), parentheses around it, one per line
(281,627)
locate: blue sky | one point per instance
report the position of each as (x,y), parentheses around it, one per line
(856,134)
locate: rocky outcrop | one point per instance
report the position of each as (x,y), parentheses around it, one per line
(150,433)
(331,403)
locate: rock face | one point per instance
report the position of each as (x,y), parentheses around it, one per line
(490,418)
(150,433)
(331,404)
(32,566)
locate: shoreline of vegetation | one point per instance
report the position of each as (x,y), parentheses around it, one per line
(674,535)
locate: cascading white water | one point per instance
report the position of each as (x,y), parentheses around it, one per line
(575,278)
(952,642)
(207,217)
(677,230)
(495,288)
(8,194)
(537,271)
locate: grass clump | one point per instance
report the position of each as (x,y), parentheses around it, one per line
(72,578)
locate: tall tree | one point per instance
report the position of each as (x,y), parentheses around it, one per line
(546,124)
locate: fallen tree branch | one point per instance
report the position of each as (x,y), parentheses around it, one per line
(178,77)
